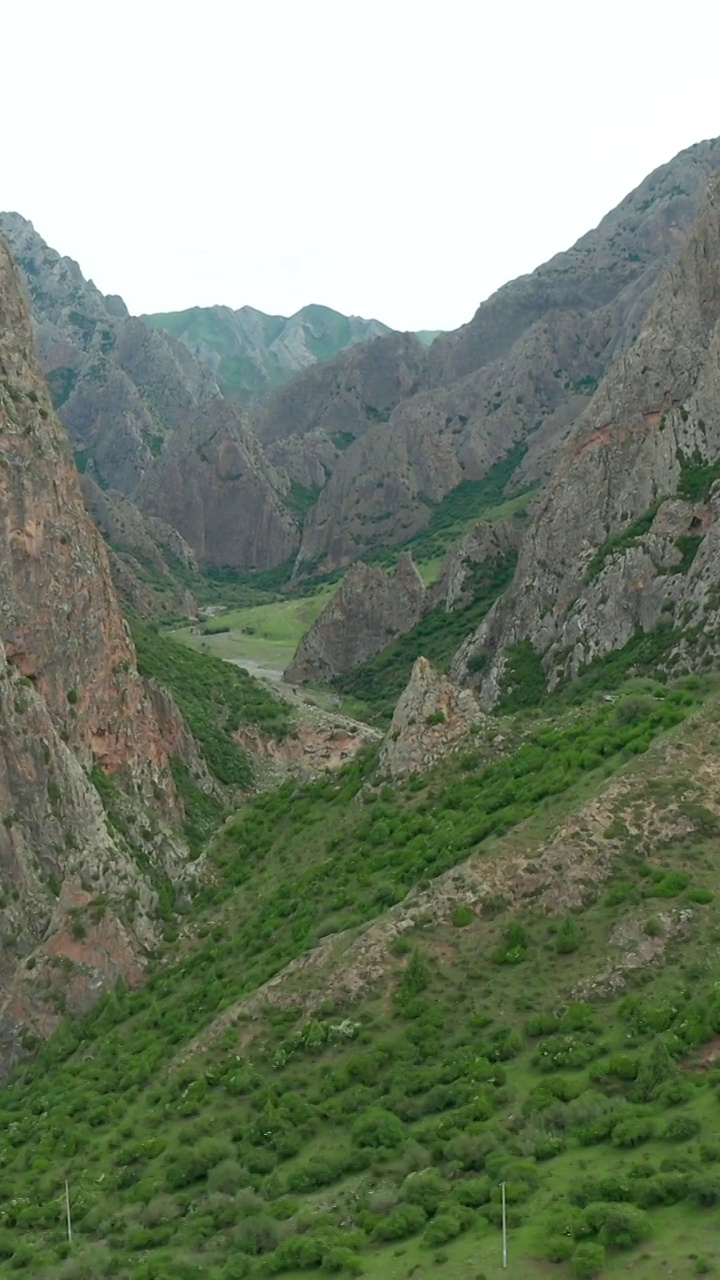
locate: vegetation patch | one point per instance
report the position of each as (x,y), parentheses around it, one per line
(696,476)
(620,542)
(309,1135)
(470,501)
(215,698)
(523,682)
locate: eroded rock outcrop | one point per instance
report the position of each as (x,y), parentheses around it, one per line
(368,611)
(432,718)
(485,543)
(626,536)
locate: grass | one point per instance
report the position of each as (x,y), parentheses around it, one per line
(288,1135)
(265,634)
(215,700)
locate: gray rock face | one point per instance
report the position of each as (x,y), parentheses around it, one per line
(655,415)
(524,369)
(485,542)
(136,542)
(432,718)
(147,420)
(118,387)
(368,611)
(345,396)
(251,353)
(214,485)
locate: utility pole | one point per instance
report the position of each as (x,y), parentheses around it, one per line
(504,1226)
(67,1210)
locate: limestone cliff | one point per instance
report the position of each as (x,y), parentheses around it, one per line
(71,705)
(625,538)
(368,611)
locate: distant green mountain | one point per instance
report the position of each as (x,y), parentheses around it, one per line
(251,352)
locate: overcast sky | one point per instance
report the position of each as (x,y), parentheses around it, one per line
(390,158)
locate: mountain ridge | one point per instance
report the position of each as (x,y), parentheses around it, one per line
(252,352)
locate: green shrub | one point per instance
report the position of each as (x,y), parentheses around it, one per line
(378,1128)
(443,1228)
(618,1226)
(680,1128)
(700,895)
(588,1259)
(567,937)
(462,916)
(402,1222)
(670,885)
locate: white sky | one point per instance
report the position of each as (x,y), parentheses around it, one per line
(390,158)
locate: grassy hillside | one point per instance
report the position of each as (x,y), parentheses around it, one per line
(215,699)
(542,1015)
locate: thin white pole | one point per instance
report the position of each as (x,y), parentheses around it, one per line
(67,1208)
(504,1226)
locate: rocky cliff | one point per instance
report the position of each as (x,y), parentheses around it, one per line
(214,485)
(484,544)
(368,611)
(75,902)
(118,386)
(625,539)
(153,568)
(147,420)
(432,718)
(251,352)
(524,369)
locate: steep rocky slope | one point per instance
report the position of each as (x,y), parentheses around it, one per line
(72,705)
(358,450)
(146,418)
(625,539)
(370,609)
(524,368)
(213,484)
(251,352)
(153,568)
(118,387)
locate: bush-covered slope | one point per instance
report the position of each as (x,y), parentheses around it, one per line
(532,1017)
